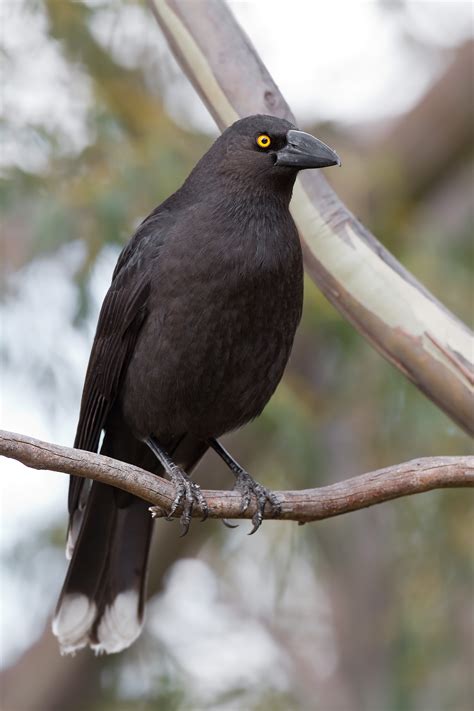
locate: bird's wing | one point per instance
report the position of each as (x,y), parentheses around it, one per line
(121,317)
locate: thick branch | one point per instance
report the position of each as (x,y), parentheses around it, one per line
(405,479)
(386,304)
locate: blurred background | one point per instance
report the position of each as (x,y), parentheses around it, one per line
(368,612)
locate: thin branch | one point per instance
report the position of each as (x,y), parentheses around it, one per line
(361,491)
(381,299)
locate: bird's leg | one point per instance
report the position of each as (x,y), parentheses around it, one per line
(247,486)
(187,491)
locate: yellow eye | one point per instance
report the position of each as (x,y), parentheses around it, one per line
(264,141)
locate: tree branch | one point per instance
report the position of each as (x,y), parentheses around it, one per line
(382,300)
(361,491)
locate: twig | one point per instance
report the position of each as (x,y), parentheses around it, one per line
(375,487)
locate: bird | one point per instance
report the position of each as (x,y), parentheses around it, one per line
(192,340)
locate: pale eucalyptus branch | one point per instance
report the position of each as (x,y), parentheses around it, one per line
(381,299)
(359,492)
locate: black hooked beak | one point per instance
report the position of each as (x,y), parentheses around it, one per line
(305,151)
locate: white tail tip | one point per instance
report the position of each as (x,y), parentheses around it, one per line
(73,621)
(120,624)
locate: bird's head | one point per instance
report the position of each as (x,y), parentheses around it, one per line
(267,147)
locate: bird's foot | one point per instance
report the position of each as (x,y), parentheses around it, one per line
(248,486)
(187,494)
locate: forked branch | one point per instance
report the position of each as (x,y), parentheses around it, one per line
(359,492)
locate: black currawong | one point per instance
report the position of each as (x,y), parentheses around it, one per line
(193,337)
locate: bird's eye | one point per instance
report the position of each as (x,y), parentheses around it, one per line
(264,141)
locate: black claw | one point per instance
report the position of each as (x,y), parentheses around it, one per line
(257,522)
(184,530)
(247,486)
(245,503)
(187,494)
(228,524)
(170,516)
(200,500)
(173,508)
(274,503)
(185,519)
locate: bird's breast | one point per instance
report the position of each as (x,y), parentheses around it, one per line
(221,326)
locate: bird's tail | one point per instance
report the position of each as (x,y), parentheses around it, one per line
(103,597)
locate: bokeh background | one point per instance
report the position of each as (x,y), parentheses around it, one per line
(368,612)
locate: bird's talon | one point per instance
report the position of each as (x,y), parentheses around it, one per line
(257,521)
(174,506)
(228,524)
(187,494)
(246,503)
(247,486)
(184,528)
(274,502)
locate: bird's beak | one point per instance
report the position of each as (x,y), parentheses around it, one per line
(305,151)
